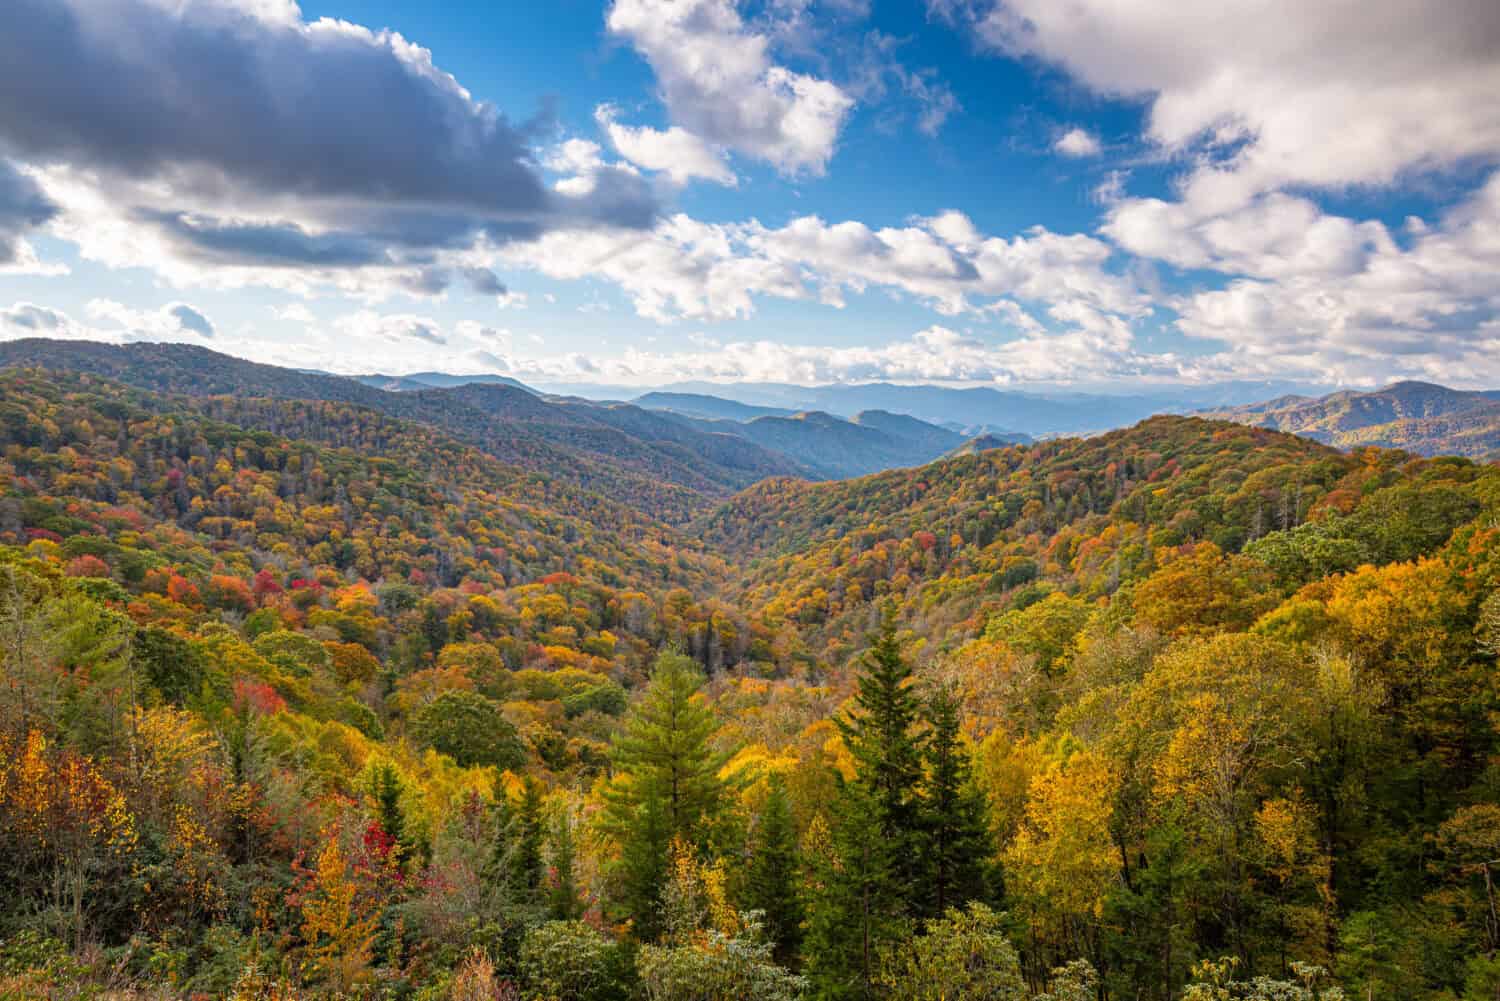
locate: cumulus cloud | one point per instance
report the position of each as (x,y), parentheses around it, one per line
(175,321)
(1346,299)
(395,327)
(676,152)
(719,83)
(1077,142)
(484,281)
(1096,348)
(226,140)
(689,269)
(30,317)
(1271,104)
(1272,236)
(190,319)
(1282,92)
(23,207)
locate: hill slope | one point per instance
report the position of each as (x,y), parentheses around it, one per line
(1416,416)
(267,660)
(653,464)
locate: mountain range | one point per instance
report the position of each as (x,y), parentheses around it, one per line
(668,461)
(1419,417)
(244,600)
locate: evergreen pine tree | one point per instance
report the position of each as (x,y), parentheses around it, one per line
(771,879)
(386,787)
(854,900)
(563,901)
(956,834)
(498,867)
(881,737)
(666,786)
(872,884)
(525,866)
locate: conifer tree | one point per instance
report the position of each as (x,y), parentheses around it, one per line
(563,901)
(525,866)
(666,786)
(771,879)
(855,901)
(386,787)
(874,881)
(955,836)
(881,737)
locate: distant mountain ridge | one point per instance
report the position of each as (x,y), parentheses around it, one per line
(435,380)
(830,446)
(634,456)
(709,407)
(666,463)
(1420,417)
(971,411)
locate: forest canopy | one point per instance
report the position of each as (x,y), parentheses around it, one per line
(301,699)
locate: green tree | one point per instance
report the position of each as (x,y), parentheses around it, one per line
(771,877)
(881,737)
(386,787)
(666,786)
(867,884)
(720,968)
(962,956)
(564,903)
(526,866)
(469,729)
(569,959)
(956,835)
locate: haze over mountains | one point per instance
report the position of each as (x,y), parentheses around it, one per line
(674,451)
(974,410)
(651,458)
(1416,416)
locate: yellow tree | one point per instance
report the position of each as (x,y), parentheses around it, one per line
(337,924)
(1063,860)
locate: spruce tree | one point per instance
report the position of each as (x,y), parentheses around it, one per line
(666,786)
(498,867)
(771,877)
(563,901)
(881,737)
(525,866)
(385,784)
(854,900)
(956,834)
(872,884)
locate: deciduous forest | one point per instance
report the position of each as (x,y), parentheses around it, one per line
(304,699)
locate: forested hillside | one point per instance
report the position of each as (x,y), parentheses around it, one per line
(314,690)
(1415,416)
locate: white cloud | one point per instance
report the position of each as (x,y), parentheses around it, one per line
(294,313)
(27,319)
(1077,142)
(1097,348)
(399,328)
(1345,300)
(703,271)
(718,82)
(176,321)
(1273,235)
(353,162)
(676,152)
(1318,94)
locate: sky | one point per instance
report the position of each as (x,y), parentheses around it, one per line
(1087,193)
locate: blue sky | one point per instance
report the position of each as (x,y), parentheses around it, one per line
(1101,192)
